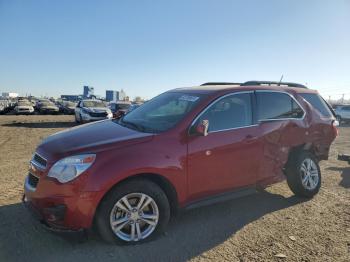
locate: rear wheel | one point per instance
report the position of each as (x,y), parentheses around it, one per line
(304,175)
(135,211)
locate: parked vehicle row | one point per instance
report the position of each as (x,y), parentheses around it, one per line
(185,148)
(342,112)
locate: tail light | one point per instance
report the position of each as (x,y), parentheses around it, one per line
(335,125)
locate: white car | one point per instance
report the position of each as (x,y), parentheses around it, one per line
(342,112)
(91,110)
(24,108)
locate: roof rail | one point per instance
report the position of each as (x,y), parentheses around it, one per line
(272,83)
(219,83)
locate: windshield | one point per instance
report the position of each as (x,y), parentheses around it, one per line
(93,104)
(122,106)
(69,104)
(162,112)
(24,103)
(47,103)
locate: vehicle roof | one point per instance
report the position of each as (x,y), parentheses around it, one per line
(120,102)
(212,89)
(97,100)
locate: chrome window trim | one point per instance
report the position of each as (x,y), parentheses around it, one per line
(218,99)
(38,165)
(281,119)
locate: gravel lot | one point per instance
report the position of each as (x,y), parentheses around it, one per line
(269,226)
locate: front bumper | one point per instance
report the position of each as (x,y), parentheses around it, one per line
(88,118)
(59,206)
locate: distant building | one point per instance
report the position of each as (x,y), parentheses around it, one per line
(9,95)
(122,95)
(72,98)
(112,95)
(88,91)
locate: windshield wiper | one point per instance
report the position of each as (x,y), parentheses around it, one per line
(132,125)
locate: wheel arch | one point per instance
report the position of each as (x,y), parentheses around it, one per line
(293,151)
(159,180)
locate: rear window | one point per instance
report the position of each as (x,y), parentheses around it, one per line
(318,103)
(275,105)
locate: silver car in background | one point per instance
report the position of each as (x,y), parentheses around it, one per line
(92,110)
(24,107)
(342,112)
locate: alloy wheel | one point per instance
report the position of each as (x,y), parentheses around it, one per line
(309,174)
(134,217)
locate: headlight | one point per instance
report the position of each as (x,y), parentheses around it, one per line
(71,167)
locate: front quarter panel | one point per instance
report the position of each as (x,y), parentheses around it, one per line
(152,157)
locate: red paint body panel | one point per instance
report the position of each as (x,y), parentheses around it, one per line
(195,166)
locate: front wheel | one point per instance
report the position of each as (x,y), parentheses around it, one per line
(304,175)
(133,212)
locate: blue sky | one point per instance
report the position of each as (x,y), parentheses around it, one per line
(147,47)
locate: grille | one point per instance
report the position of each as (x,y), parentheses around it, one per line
(103,114)
(33,180)
(40,160)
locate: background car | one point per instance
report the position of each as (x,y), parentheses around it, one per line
(47,107)
(119,108)
(342,112)
(133,107)
(24,107)
(92,110)
(67,107)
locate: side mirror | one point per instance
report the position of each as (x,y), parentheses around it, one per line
(202,128)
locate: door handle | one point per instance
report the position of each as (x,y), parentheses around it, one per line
(250,139)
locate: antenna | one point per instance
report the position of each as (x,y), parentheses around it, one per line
(279,83)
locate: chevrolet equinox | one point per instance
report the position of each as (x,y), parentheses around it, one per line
(184,148)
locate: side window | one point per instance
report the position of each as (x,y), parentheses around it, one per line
(346,108)
(229,112)
(318,103)
(275,105)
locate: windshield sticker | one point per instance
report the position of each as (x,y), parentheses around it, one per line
(189,98)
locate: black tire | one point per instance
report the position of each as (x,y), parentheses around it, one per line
(294,174)
(144,186)
(338,117)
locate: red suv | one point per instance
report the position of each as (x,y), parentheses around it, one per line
(184,148)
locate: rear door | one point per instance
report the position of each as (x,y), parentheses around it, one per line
(229,156)
(281,127)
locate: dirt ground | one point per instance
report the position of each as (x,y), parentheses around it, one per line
(260,227)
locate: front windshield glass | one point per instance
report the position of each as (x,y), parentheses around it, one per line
(122,106)
(24,103)
(162,112)
(47,103)
(93,104)
(69,104)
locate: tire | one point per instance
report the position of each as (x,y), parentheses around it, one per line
(338,117)
(304,167)
(133,190)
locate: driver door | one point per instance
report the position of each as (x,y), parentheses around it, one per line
(229,156)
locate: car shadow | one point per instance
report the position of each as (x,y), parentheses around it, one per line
(345,175)
(188,235)
(63,124)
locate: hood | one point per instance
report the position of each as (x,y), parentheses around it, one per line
(93,137)
(50,107)
(96,109)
